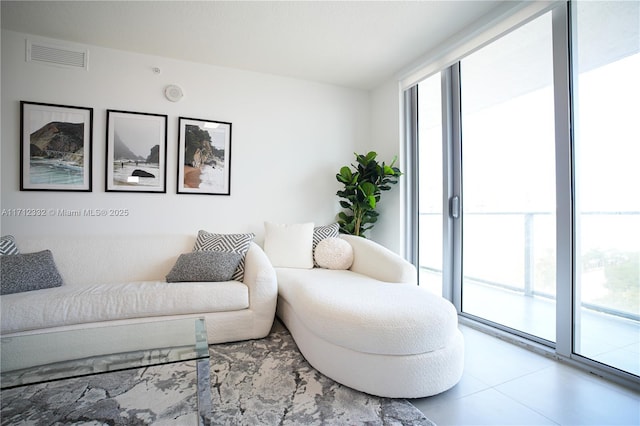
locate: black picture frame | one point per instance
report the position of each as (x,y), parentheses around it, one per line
(55,147)
(136,152)
(204,156)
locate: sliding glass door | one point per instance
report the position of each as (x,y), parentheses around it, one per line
(607,156)
(530,222)
(508,181)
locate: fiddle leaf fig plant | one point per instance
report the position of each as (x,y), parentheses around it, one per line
(363,184)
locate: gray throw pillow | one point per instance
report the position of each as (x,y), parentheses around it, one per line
(28,271)
(204,266)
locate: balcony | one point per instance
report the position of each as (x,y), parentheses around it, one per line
(516,287)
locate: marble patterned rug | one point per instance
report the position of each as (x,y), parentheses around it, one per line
(256,382)
(268,382)
(159,395)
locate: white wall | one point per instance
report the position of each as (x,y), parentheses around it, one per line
(290,137)
(386,140)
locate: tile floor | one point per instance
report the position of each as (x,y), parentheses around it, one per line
(504,384)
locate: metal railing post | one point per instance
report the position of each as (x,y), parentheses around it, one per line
(529,254)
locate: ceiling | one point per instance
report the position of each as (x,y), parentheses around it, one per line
(357,44)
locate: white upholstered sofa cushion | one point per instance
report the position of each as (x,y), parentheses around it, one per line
(360,313)
(68,305)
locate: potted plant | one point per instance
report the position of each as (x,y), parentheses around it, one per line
(363,186)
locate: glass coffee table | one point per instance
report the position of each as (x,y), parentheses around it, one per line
(77,357)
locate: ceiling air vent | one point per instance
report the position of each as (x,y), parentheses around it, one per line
(66,56)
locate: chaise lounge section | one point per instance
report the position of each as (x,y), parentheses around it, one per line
(370,327)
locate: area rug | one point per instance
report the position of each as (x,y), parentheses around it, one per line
(268,382)
(159,395)
(256,382)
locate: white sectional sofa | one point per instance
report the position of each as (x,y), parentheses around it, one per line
(121,279)
(370,327)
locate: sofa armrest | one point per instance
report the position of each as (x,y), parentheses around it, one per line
(376,261)
(260,278)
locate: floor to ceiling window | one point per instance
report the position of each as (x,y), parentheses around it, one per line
(607,152)
(508,181)
(503,138)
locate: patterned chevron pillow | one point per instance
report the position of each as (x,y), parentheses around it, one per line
(8,246)
(322,232)
(226,243)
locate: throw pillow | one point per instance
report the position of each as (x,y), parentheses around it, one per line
(334,253)
(322,232)
(209,266)
(289,246)
(28,271)
(226,243)
(8,246)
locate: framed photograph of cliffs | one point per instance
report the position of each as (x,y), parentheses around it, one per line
(55,147)
(204,157)
(136,152)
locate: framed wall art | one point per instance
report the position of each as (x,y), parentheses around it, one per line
(136,152)
(204,157)
(55,147)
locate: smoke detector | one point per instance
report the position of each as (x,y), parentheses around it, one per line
(173,93)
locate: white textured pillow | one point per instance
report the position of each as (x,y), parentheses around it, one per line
(289,246)
(334,253)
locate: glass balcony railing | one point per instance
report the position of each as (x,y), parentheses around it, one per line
(609,272)
(516,287)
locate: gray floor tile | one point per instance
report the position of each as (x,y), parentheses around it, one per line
(504,384)
(488,407)
(570,397)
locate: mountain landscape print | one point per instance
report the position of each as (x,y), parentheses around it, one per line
(136,147)
(205,157)
(56,147)
(57,153)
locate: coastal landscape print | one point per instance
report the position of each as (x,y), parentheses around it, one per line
(136,151)
(55,147)
(204,157)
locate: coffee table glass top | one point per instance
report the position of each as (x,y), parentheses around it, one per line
(43,357)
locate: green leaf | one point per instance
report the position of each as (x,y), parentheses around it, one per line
(372,202)
(345,174)
(368,188)
(354,178)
